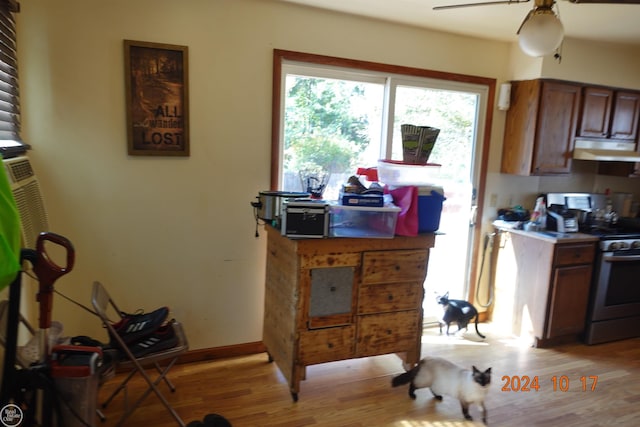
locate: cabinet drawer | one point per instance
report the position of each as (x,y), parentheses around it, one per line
(326,345)
(574,254)
(387,333)
(394,266)
(389,297)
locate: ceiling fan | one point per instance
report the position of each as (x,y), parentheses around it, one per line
(541,31)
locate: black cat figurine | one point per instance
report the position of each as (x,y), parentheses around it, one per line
(458,311)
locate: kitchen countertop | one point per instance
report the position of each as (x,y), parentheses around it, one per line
(550,236)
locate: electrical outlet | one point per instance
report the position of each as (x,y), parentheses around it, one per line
(493,200)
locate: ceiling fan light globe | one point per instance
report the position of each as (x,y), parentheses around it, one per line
(541,34)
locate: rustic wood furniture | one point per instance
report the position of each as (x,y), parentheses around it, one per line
(341,298)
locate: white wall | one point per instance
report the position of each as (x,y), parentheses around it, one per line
(180,231)
(596,63)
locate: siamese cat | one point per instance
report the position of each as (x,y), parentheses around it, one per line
(458,311)
(444,377)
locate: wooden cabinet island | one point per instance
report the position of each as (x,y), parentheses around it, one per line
(342,298)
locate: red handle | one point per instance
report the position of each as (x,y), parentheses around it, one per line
(48,272)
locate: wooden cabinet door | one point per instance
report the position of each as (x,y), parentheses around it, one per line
(556,127)
(596,112)
(520,127)
(569,299)
(626,110)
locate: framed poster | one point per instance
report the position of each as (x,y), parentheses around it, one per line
(157,96)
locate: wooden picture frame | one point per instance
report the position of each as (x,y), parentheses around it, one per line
(157,97)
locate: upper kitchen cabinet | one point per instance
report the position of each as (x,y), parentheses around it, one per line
(540,127)
(608,113)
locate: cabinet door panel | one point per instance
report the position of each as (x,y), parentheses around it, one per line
(569,300)
(326,345)
(556,128)
(394,266)
(387,333)
(331,296)
(389,297)
(626,111)
(520,127)
(596,111)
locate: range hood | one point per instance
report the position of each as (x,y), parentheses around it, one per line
(605,150)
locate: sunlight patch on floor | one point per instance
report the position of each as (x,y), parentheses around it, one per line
(520,342)
(455,340)
(412,423)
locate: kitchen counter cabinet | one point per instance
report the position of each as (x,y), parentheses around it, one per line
(542,287)
(540,127)
(342,298)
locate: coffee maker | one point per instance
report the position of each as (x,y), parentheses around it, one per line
(561,219)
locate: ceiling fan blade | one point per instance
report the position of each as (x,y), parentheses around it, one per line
(486,3)
(606,1)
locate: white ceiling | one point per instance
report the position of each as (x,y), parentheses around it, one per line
(618,23)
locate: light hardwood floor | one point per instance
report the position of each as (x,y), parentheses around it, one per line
(249,391)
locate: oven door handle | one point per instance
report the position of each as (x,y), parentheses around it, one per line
(627,258)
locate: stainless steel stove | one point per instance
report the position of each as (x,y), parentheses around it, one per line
(614,306)
(614,310)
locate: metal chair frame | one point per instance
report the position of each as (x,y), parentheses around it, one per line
(104,304)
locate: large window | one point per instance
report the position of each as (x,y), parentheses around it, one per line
(332,125)
(10,141)
(333,115)
(335,119)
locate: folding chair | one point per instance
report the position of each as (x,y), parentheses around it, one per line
(104,306)
(21,361)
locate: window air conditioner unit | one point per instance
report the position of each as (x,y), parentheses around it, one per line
(26,192)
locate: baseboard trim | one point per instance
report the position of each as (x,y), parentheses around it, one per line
(213,353)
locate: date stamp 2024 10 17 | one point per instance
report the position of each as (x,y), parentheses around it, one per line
(557,383)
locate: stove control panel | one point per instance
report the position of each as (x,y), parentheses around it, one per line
(619,244)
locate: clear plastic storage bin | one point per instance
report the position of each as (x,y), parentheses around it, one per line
(369,222)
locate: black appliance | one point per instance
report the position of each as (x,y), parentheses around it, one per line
(561,219)
(305,219)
